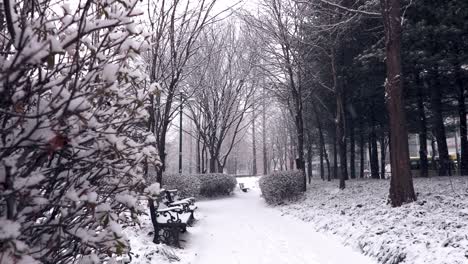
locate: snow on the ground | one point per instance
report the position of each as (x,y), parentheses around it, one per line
(144,251)
(242,229)
(432,230)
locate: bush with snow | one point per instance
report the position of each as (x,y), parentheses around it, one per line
(282,185)
(74,138)
(186,184)
(216,184)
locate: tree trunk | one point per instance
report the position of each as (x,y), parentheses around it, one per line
(213,162)
(423,165)
(369,148)
(335,158)
(439,127)
(265,154)
(463,127)
(344,164)
(219,168)
(340,133)
(162,157)
(328,163)
(352,146)
(322,169)
(382,156)
(374,158)
(309,160)
(254,147)
(361,150)
(198,155)
(401,183)
(434,153)
(321,145)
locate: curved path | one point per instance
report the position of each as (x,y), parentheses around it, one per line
(243,229)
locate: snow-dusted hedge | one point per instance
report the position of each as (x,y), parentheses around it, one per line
(214,184)
(187,185)
(281,185)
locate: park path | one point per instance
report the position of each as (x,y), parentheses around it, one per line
(242,229)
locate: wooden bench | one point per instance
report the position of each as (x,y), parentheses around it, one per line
(242,187)
(173,217)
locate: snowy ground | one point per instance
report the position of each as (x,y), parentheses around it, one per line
(243,229)
(432,230)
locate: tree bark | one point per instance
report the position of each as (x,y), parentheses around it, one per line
(198,155)
(322,169)
(213,162)
(309,159)
(438,126)
(335,158)
(374,158)
(321,145)
(352,146)
(361,150)
(463,126)
(254,146)
(340,131)
(327,160)
(265,154)
(423,165)
(401,183)
(434,153)
(382,156)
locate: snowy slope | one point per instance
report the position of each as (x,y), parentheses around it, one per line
(432,230)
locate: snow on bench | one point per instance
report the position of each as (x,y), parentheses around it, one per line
(175,218)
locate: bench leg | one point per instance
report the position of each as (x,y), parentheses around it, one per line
(176,237)
(156,238)
(170,236)
(191,219)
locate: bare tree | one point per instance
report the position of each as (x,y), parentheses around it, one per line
(279,24)
(223,91)
(175,27)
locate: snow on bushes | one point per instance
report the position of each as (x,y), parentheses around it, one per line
(282,185)
(74,139)
(187,185)
(214,184)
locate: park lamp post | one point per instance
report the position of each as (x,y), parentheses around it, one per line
(180,135)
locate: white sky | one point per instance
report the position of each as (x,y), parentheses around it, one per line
(223,4)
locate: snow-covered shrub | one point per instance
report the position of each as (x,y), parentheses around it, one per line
(186,184)
(214,184)
(282,185)
(74,139)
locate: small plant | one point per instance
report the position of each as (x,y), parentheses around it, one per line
(280,186)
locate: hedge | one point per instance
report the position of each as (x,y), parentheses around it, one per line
(282,185)
(215,184)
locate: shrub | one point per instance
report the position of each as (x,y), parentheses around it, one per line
(214,184)
(281,185)
(187,185)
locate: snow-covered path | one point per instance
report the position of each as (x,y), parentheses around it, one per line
(243,229)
